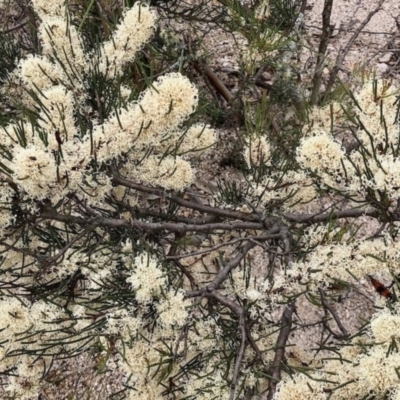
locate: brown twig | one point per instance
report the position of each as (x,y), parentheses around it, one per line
(286,324)
(327,307)
(343,52)
(13,28)
(314,218)
(178,227)
(214,80)
(197,253)
(172,254)
(221,276)
(33,29)
(189,204)
(239,356)
(323,45)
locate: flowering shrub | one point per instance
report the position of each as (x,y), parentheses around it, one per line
(106,248)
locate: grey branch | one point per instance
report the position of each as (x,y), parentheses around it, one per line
(286,324)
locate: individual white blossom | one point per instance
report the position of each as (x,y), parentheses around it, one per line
(321,154)
(135,29)
(46,8)
(34,170)
(258,151)
(147,279)
(61,41)
(387,178)
(194,142)
(123,322)
(169,102)
(369,99)
(377,371)
(38,73)
(169,172)
(385,325)
(323,119)
(172,308)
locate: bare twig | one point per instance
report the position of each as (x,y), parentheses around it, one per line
(215,81)
(343,52)
(327,307)
(221,276)
(314,218)
(13,28)
(178,227)
(33,29)
(191,204)
(323,45)
(197,253)
(286,324)
(239,356)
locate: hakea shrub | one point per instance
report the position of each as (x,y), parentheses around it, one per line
(363,173)
(52,156)
(178,295)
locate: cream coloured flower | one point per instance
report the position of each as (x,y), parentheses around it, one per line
(57,116)
(132,33)
(194,142)
(378,371)
(170,173)
(38,73)
(46,8)
(301,387)
(319,152)
(147,279)
(258,151)
(34,170)
(158,113)
(60,40)
(172,308)
(385,325)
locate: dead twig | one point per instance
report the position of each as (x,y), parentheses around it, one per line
(239,356)
(323,45)
(13,28)
(343,52)
(286,325)
(209,250)
(215,81)
(327,308)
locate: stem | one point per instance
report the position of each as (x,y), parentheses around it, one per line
(323,45)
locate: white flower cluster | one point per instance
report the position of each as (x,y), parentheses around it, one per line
(301,387)
(40,322)
(147,279)
(365,367)
(61,41)
(153,122)
(135,29)
(374,162)
(332,260)
(45,8)
(56,158)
